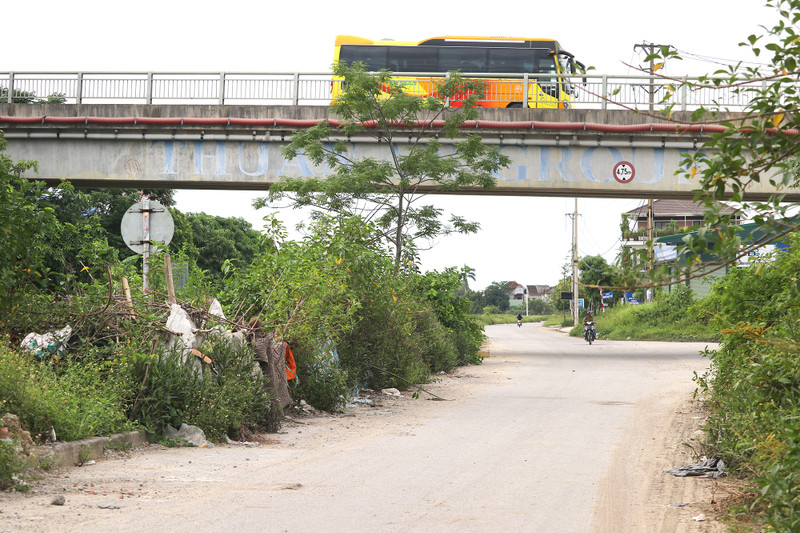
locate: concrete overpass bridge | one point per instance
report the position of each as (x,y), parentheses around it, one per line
(588,152)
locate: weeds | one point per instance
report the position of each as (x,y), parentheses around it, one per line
(10,465)
(84,455)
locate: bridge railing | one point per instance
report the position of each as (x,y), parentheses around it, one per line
(592,91)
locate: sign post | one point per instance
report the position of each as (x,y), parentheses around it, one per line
(146,223)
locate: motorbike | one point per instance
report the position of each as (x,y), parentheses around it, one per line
(589,333)
(519,323)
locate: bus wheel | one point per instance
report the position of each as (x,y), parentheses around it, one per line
(515,105)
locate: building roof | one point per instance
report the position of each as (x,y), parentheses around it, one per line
(682,208)
(539,289)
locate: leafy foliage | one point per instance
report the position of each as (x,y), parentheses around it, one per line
(754,380)
(225,402)
(594,273)
(28,97)
(79,400)
(388,192)
(23,222)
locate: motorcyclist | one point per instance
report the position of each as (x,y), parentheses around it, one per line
(519,319)
(588,322)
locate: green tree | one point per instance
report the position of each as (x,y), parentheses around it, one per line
(497,294)
(23,224)
(28,97)
(758,145)
(753,381)
(595,273)
(388,191)
(218,241)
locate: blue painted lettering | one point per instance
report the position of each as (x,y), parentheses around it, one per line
(560,167)
(219,157)
(170,157)
(300,164)
(263,160)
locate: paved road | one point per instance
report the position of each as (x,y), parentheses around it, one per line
(524,445)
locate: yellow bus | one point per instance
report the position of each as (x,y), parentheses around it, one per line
(504,63)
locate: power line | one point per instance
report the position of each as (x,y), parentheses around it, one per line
(716,60)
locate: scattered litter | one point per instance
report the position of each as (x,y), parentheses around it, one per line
(713,468)
(88,463)
(58,500)
(391,392)
(362,400)
(240,442)
(44,345)
(699,517)
(191,434)
(109,507)
(304,407)
(678,504)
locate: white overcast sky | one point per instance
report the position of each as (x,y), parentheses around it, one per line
(522,239)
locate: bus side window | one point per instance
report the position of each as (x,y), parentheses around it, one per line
(510,60)
(463,58)
(412,59)
(373,57)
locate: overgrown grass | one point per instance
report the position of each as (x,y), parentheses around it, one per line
(672,317)
(78,399)
(487,319)
(646,323)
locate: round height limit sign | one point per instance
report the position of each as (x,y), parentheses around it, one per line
(624,172)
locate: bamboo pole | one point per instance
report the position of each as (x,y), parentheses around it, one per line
(170,285)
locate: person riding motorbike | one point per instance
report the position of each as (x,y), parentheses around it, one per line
(519,320)
(588,323)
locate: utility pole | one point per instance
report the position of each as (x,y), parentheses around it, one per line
(650,258)
(575,310)
(650,49)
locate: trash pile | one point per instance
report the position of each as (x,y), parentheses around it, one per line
(184,333)
(273,358)
(713,468)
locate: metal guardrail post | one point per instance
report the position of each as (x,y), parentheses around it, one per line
(10,95)
(684,93)
(525,95)
(149,89)
(79,88)
(221,88)
(604,93)
(296,89)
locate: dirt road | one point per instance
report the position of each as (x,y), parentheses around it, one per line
(549,434)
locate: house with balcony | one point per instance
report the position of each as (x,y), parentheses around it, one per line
(670,219)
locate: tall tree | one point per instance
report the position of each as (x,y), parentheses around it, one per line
(759,145)
(594,273)
(497,293)
(388,191)
(23,223)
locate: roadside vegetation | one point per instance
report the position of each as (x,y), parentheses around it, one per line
(348,297)
(672,316)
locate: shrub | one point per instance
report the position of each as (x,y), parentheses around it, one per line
(779,486)
(323,383)
(438,349)
(10,465)
(173,392)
